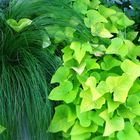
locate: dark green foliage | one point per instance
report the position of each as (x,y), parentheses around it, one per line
(25,72)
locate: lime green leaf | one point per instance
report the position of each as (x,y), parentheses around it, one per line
(125,112)
(94,17)
(78,129)
(99,50)
(96,75)
(94,4)
(80,50)
(128,133)
(112,105)
(94,116)
(67,54)
(102,88)
(130,68)
(88,104)
(82,78)
(117,47)
(63,92)
(133,102)
(111,27)
(2,129)
(91,64)
(131,35)
(20,25)
(100,30)
(81,5)
(83,117)
(124,21)
(69,32)
(91,84)
(80,69)
(106,12)
(63,119)
(134,52)
(121,86)
(109,62)
(60,75)
(114,124)
(98,91)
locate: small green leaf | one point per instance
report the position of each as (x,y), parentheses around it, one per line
(130,68)
(91,64)
(131,35)
(63,92)
(78,129)
(60,75)
(111,27)
(81,6)
(133,102)
(109,62)
(112,105)
(88,104)
(46,41)
(80,69)
(128,133)
(106,12)
(68,54)
(125,112)
(100,30)
(80,50)
(94,4)
(2,129)
(124,21)
(94,116)
(94,17)
(63,119)
(19,26)
(117,47)
(83,117)
(114,124)
(121,86)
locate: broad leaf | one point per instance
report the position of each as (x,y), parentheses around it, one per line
(130,68)
(88,104)
(120,87)
(94,17)
(80,50)
(78,129)
(109,62)
(60,75)
(100,30)
(20,25)
(106,12)
(112,124)
(63,92)
(128,133)
(63,119)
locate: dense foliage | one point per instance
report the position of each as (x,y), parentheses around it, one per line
(25,69)
(98,83)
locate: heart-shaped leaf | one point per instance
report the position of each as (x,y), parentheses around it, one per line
(20,25)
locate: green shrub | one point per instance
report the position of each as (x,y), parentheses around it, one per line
(98,83)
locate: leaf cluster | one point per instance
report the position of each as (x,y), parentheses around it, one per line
(98,83)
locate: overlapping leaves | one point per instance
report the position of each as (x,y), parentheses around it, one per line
(100,80)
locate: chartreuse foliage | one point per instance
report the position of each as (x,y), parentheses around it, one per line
(98,82)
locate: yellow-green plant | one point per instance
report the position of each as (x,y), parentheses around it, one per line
(98,83)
